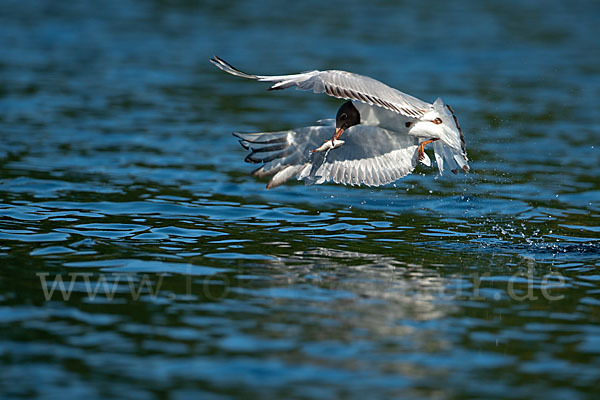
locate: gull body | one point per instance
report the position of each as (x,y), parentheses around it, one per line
(384,133)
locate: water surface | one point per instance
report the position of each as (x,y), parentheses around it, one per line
(183,276)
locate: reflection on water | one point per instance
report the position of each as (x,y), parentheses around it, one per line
(139,259)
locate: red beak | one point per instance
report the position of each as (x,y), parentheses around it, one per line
(338,133)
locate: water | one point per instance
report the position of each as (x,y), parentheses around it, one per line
(182,276)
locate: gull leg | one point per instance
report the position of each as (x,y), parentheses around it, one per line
(421,149)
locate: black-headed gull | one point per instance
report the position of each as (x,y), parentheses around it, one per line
(385,132)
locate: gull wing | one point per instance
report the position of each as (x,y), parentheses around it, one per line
(340,84)
(371,156)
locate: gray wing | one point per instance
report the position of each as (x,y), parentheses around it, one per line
(371,156)
(340,84)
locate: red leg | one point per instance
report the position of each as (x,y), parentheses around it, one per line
(421,149)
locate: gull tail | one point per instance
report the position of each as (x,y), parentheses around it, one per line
(456,158)
(450,158)
(451,152)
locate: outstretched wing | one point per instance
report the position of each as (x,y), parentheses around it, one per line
(340,84)
(371,156)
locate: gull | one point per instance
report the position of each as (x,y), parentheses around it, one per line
(385,132)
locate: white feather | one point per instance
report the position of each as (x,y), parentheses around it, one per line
(379,150)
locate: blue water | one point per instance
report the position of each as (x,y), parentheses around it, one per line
(183,277)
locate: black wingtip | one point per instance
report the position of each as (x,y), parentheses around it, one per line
(215,60)
(221,64)
(243,142)
(244,145)
(251,160)
(225,66)
(219,60)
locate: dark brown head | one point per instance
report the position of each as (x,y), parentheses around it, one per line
(346,117)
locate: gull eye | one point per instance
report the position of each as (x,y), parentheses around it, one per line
(344,116)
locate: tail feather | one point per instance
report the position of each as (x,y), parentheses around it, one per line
(463,144)
(450,158)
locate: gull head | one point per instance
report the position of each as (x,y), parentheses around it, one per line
(347,116)
(439,122)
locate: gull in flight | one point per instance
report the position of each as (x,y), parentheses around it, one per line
(384,132)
